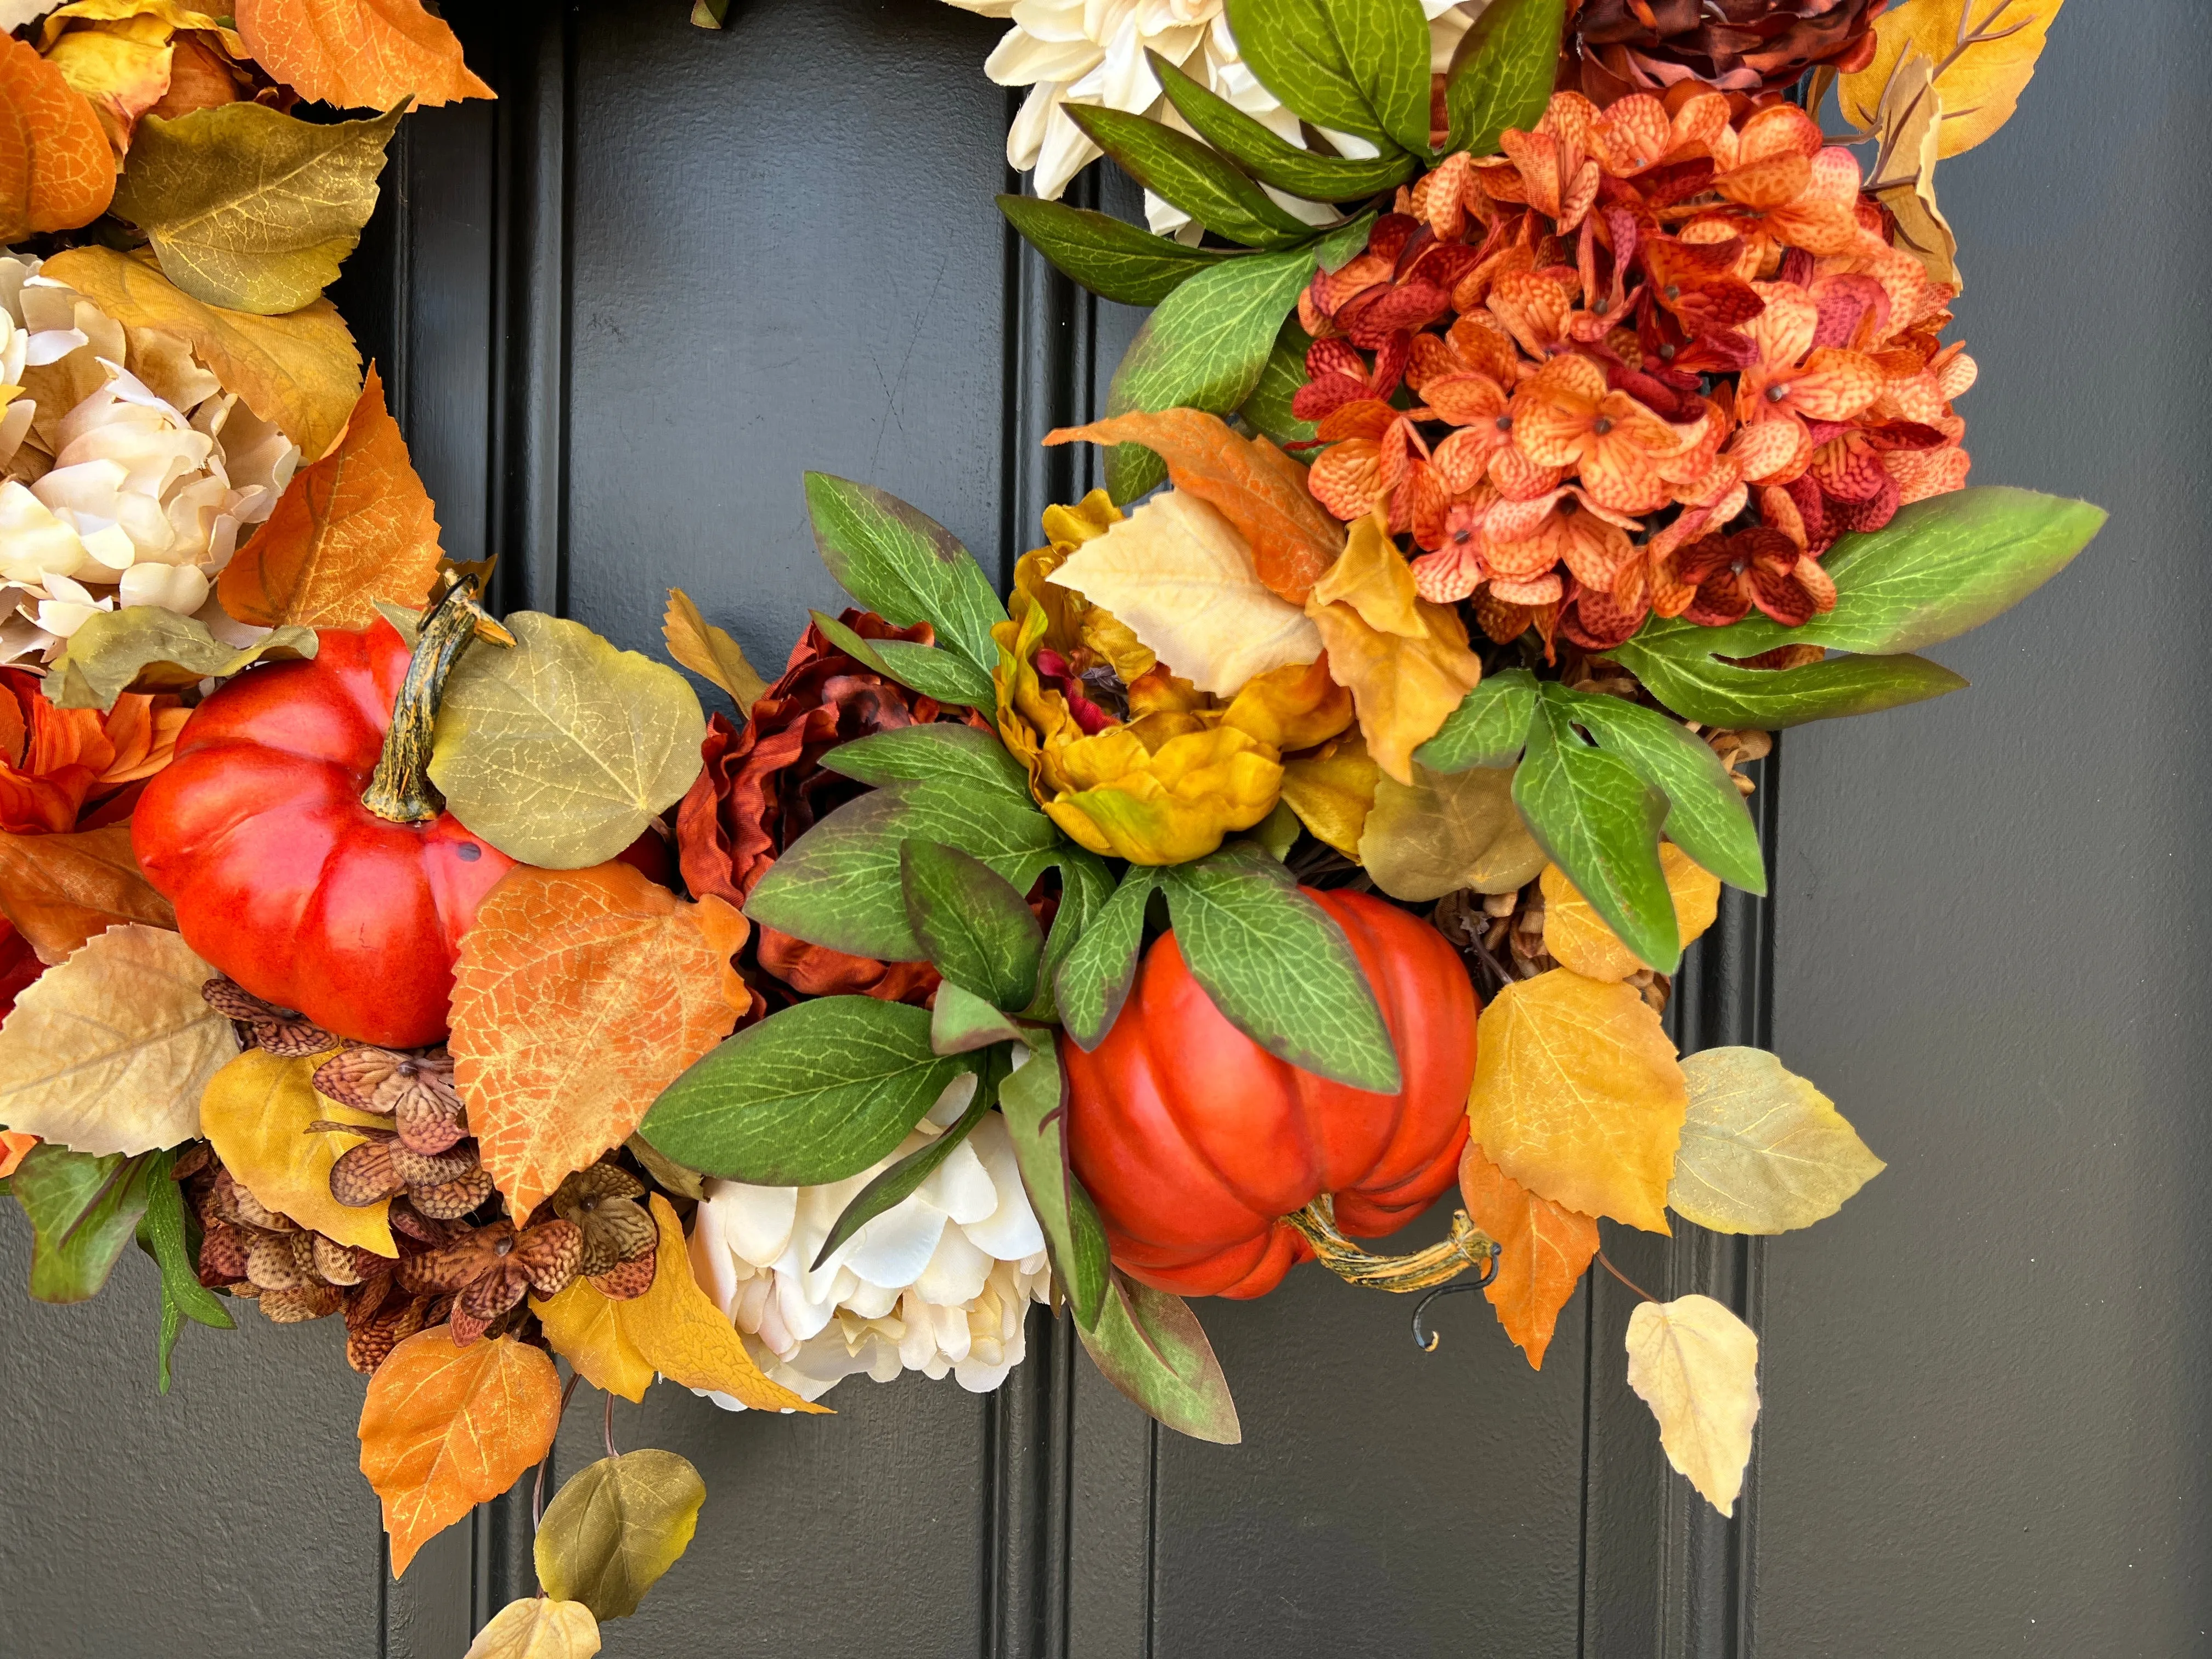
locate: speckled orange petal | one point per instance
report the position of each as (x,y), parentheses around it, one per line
(1772,451)
(1836,385)
(1346,480)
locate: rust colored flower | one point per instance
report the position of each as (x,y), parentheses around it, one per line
(76,769)
(1756,567)
(414,1088)
(620,1239)
(443,1186)
(1616,48)
(490,1269)
(763,786)
(284,1032)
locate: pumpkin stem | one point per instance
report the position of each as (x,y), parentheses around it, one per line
(1468,1247)
(400,791)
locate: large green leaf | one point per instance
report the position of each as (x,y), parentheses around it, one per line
(1203,348)
(1150,1345)
(923,668)
(904,1178)
(1688,680)
(1502,75)
(1179,169)
(809,1096)
(904,566)
(82,1211)
(1268,409)
(1385,45)
(1275,161)
(1094,981)
(1293,46)
(1706,815)
(940,752)
(976,929)
(1084,887)
(615,1528)
(1488,727)
(1113,259)
(1035,1102)
(1279,968)
(161,1233)
(1598,820)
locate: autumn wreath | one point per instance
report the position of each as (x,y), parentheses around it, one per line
(1548,410)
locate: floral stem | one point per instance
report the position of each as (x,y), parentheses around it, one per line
(400,791)
(1605,1262)
(1468,1247)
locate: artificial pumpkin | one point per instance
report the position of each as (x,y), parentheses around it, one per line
(283,875)
(1196,1143)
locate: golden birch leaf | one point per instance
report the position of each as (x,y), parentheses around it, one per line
(561,749)
(1445,831)
(302,370)
(538,1627)
(354,528)
(578,997)
(109,1051)
(1545,1249)
(1984,53)
(1577,938)
(1333,790)
(584,1324)
(616,1526)
(251,209)
(256,1112)
(124,73)
(1696,1364)
(708,652)
(1763,1151)
(1578,1096)
(1178,576)
(358,54)
(446,1428)
(59,891)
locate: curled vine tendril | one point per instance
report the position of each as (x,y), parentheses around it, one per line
(1426,1340)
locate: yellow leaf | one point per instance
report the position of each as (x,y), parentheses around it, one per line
(708,652)
(358,54)
(1696,1364)
(616,1526)
(446,1428)
(167,11)
(1763,1151)
(301,371)
(123,68)
(1912,124)
(1577,938)
(249,207)
(1444,831)
(1578,1096)
(1544,1249)
(1178,576)
(585,1326)
(1333,790)
(1404,660)
(538,1627)
(109,1051)
(1984,53)
(256,1111)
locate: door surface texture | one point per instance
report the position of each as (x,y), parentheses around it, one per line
(621,309)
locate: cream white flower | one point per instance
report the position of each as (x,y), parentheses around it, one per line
(1092,51)
(939,1283)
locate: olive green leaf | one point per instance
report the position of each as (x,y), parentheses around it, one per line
(904,566)
(923,668)
(1488,727)
(560,749)
(977,930)
(673,1177)
(1274,160)
(899,1183)
(1501,76)
(1445,831)
(1093,980)
(83,1212)
(809,1096)
(615,1528)
(146,649)
(1293,46)
(162,1235)
(1688,679)
(1113,259)
(1180,170)
(1763,1151)
(1034,1099)
(1150,1345)
(961,1022)
(1268,409)
(250,209)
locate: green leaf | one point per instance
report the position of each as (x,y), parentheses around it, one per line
(146,649)
(1084,889)
(1180,170)
(1501,76)
(1035,1101)
(1113,259)
(1338,247)
(1203,348)
(1385,45)
(904,566)
(1279,968)
(615,1528)
(940,752)
(1707,816)
(1094,981)
(923,668)
(976,929)
(1698,688)
(561,749)
(1269,409)
(899,1183)
(249,209)
(82,1210)
(1150,1345)
(162,1232)
(1599,821)
(1489,727)
(1274,160)
(1293,46)
(1277,832)
(809,1096)
(961,1022)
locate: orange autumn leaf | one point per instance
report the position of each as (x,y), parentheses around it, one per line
(358,54)
(57,171)
(580,995)
(1247,481)
(12,1146)
(356,527)
(60,890)
(726,931)
(1544,1249)
(445,1429)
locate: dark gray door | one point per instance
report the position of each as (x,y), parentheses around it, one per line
(621,309)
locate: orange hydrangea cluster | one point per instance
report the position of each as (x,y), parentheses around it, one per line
(1655,358)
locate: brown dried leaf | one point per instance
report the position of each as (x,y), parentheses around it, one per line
(60,890)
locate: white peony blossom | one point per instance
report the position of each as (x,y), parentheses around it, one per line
(1092,51)
(941,1282)
(134,488)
